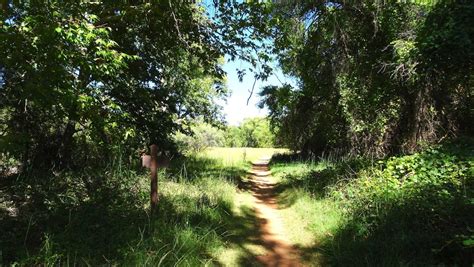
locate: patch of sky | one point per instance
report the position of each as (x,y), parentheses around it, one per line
(236,108)
(242,102)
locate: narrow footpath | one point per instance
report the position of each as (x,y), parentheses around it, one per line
(280,252)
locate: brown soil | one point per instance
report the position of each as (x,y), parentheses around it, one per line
(280,252)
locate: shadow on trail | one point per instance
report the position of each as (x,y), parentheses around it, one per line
(425,225)
(101,219)
(316,181)
(278,250)
(263,192)
(243,231)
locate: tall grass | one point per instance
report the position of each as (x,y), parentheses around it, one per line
(97,217)
(101,216)
(412,210)
(241,155)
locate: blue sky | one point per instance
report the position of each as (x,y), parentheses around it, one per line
(236,108)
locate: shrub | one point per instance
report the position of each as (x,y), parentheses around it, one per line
(420,204)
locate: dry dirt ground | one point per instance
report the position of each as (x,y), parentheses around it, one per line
(279,251)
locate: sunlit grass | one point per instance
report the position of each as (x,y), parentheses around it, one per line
(306,219)
(240,155)
(202,217)
(211,177)
(409,210)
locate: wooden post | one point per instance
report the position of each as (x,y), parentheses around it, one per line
(154,176)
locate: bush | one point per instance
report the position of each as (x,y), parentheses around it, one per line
(419,205)
(409,210)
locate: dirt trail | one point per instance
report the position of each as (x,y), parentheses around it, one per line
(280,252)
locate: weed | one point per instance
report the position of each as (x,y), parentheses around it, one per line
(407,210)
(101,216)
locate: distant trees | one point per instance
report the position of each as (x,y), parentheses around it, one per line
(202,135)
(373,77)
(79,81)
(252,132)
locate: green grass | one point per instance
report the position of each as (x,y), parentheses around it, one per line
(412,210)
(308,218)
(403,211)
(239,155)
(97,217)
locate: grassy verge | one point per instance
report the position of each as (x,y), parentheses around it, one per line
(413,210)
(238,155)
(98,217)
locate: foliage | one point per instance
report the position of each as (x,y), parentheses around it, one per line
(252,132)
(82,220)
(80,81)
(426,197)
(85,87)
(231,156)
(405,210)
(373,77)
(233,136)
(202,137)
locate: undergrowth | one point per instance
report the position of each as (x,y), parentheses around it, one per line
(412,210)
(97,217)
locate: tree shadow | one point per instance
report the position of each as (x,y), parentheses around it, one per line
(403,236)
(425,226)
(192,168)
(66,219)
(48,222)
(244,231)
(318,181)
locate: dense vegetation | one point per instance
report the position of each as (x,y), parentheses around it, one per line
(373,77)
(252,132)
(379,119)
(67,224)
(82,81)
(85,87)
(376,80)
(413,210)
